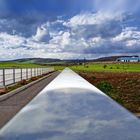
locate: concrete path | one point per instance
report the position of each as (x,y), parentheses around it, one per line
(10,106)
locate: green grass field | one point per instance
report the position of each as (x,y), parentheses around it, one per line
(18,65)
(102,67)
(97,67)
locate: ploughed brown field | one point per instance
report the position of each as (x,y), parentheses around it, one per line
(123,87)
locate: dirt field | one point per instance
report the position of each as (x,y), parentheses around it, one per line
(126,87)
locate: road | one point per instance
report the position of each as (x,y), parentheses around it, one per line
(10,106)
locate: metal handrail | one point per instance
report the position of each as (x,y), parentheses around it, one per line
(24,73)
(70,108)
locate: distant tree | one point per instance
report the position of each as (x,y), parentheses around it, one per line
(84,62)
(105,66)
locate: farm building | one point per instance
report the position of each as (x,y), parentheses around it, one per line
(129,59)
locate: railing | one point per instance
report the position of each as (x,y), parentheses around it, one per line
(70,108)
(14,75)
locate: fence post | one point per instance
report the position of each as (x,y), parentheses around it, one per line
(14,76)
(37,72)
(42,71)
(34,72)
(31,71)
(27,73)
(4,84)
(21,73)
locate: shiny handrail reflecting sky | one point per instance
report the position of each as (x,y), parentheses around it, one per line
(72,112)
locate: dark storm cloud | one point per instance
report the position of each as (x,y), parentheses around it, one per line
(24,16)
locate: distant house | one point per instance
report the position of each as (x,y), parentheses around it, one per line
(129,59)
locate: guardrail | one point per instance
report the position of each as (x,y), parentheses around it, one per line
(70,108)
(14,75)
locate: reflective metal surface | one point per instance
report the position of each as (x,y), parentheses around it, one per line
(70,108)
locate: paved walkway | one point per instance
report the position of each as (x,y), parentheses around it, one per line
(10,106)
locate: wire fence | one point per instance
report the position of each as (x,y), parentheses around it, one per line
(14,75)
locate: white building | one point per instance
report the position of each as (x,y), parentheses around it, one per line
(129,59)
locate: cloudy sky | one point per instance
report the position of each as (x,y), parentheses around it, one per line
(69,29)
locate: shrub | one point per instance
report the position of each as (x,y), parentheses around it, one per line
(34,78)
(105,66)
(3,91)
(23,82)
(93,77)
(105,86)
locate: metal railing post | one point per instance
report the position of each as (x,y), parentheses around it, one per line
(37,71)
(21,73)
(14,77)
(31,71)
(27,73)
(34,72)
(3,71)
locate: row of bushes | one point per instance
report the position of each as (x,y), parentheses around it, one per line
(105,66)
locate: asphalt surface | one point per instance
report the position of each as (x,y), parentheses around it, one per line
(12,105)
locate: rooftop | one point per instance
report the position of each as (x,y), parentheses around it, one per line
(129,58)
